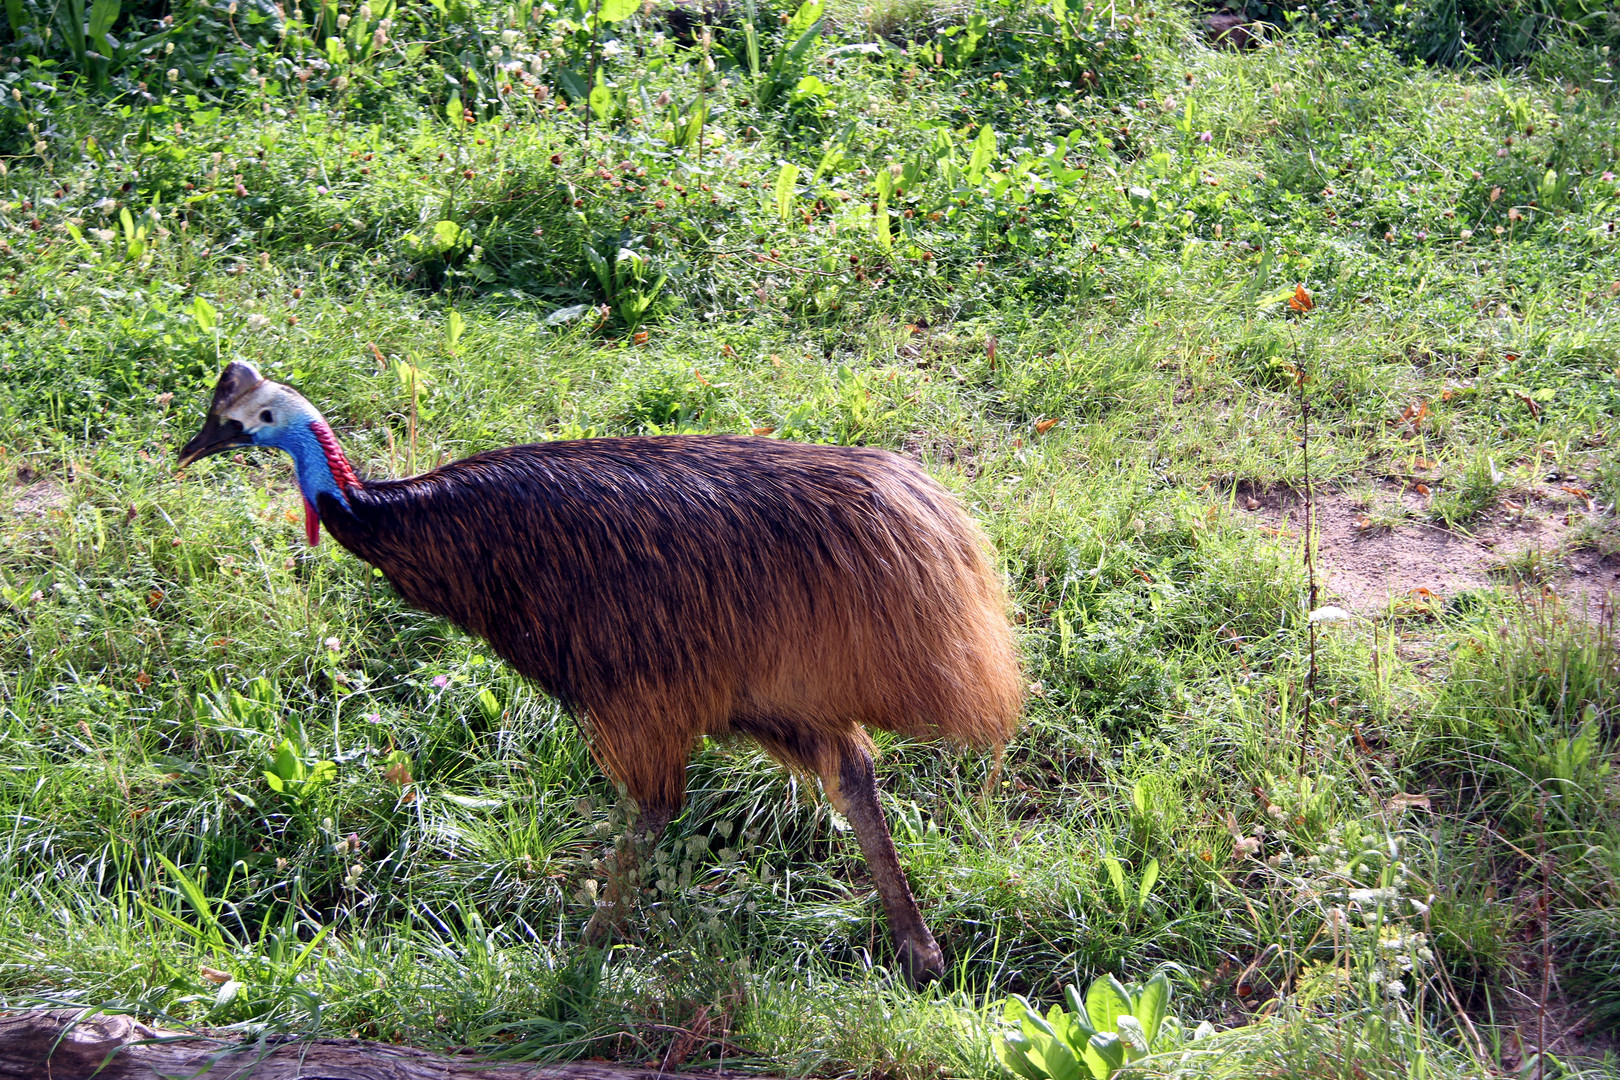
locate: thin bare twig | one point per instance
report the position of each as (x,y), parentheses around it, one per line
(1310,547)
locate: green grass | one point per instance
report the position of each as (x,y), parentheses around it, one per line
(1070,304)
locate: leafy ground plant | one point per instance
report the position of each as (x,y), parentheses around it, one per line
(1111,1027)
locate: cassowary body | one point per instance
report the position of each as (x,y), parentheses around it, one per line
(674,587)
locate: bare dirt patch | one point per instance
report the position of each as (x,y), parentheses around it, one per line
(1376,547)
(39,498)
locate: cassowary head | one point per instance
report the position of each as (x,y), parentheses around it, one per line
(250,410)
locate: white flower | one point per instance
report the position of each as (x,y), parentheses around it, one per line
(1328,614)
(257,322)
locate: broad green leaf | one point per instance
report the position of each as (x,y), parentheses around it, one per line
(1012,1051)
(1152,1004)
(810,87)
(880,216)
(1064,1027)
(227,993)
(411,376)
(984,150)
(103,13)
(806,17)
(275,782)
(1104,1055)
(599,266)
(447,236)
(285,763)
(490,705)
(613,11)
(1058,1060)
(453,327)
(1132,1037)
(1077,1006)
(601,98)
(321,772)
(1106,1002)
(1150,875)
(784,190)
(1035,1025)
(1015,1008)
(1116,874)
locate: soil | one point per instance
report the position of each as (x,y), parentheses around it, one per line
(1376,549)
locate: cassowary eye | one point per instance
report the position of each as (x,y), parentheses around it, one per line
(267,416)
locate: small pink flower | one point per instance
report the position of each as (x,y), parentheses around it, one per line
(1608,177)
(373,718)
(334,644)
(440,682)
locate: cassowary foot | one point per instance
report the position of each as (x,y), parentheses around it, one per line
(921,961)
(606,924)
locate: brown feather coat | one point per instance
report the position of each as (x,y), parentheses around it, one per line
(668,588)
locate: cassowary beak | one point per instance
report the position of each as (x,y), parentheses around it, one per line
(214,438)
(218,436)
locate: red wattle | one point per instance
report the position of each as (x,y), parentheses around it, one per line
(312,523)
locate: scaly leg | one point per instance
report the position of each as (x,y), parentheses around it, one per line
(854,793)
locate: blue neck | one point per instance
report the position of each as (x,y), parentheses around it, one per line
(309,461)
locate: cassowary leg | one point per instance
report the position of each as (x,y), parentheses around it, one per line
(852,785)
(623,884)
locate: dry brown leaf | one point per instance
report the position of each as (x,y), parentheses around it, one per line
(214,975)
(1043,426)
(1403,801)
(764,430)
(1301,300)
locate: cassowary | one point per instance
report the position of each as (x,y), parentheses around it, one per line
(668,588)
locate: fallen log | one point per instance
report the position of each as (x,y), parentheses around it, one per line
(56,1044)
